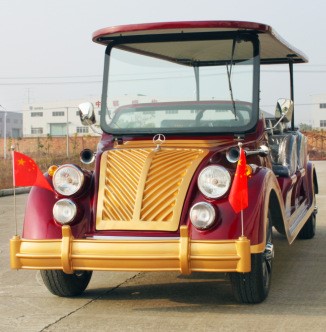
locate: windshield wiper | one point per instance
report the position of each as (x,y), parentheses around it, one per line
(229,72)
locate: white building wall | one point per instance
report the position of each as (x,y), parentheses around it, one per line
(41,119)
(319,111)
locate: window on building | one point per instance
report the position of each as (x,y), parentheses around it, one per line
(61,113)
(36,114)
(37,130)
(58,129)
(82,130)
(15,132)
(322,105)
(322,123)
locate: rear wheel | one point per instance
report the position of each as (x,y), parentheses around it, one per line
(66,285)
(308,231)
(253,287)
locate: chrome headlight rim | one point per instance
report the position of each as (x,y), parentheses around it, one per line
(64,211)
(71,185)
(203,185)
(200,224)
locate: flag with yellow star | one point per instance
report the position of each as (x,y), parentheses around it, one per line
(27,173)
(238,196)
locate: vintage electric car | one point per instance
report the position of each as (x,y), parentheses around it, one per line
(180,104)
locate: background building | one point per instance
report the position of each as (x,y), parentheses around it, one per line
(56,119)
(53,118)
(318,115)
(11,124)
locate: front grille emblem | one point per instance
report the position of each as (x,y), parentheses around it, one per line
(158,139)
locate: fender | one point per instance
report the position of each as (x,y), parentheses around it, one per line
(312,180)
(261,185)
(290,225)
(39,222)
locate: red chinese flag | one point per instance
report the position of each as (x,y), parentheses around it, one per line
(27,173)
(238,196)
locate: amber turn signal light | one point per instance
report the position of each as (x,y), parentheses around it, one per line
(52,169)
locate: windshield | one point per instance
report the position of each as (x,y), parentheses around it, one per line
(180,87)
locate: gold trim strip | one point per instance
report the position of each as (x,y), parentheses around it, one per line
(173,143)
(257,248)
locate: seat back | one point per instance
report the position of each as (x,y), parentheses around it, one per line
(283,154)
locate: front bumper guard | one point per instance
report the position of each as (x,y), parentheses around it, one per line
(176,254)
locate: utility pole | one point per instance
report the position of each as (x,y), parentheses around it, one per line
(67,129)
(4,133)
(5,137)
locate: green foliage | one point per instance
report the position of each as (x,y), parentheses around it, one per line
(305,127)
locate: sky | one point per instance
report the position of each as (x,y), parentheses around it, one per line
(47,53)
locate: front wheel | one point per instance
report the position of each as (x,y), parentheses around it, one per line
(253,287)
(66,285)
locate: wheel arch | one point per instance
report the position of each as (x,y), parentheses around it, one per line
(271,205)
(315,181)
(276,215)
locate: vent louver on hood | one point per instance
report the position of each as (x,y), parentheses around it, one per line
(144,189)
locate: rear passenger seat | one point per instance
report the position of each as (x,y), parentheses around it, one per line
(284,152)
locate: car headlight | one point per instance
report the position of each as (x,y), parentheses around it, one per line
(68,179)
(64,211)
(214,181)
(202,215)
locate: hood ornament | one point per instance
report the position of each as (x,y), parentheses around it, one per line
(158,139)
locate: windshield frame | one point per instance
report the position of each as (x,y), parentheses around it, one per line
(122,41)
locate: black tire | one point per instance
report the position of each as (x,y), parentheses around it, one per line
(253,287)
(66,285)
(280,229)
(308,231)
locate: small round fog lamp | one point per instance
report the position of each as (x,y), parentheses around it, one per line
(64,211)
(202,215)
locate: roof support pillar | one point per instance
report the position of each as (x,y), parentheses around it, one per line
(291,90)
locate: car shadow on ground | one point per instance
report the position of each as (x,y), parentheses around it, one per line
(291,286)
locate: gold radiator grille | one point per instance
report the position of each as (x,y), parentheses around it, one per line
(143,189)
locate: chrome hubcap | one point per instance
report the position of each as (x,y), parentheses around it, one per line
(269,252)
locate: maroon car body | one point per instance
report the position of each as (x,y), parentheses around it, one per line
(179,101)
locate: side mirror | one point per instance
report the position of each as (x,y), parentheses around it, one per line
(86,114)
(284,110)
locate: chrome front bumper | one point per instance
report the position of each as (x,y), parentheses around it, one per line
(176,254)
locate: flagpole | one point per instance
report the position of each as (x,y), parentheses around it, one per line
(14,185)
(242,231)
